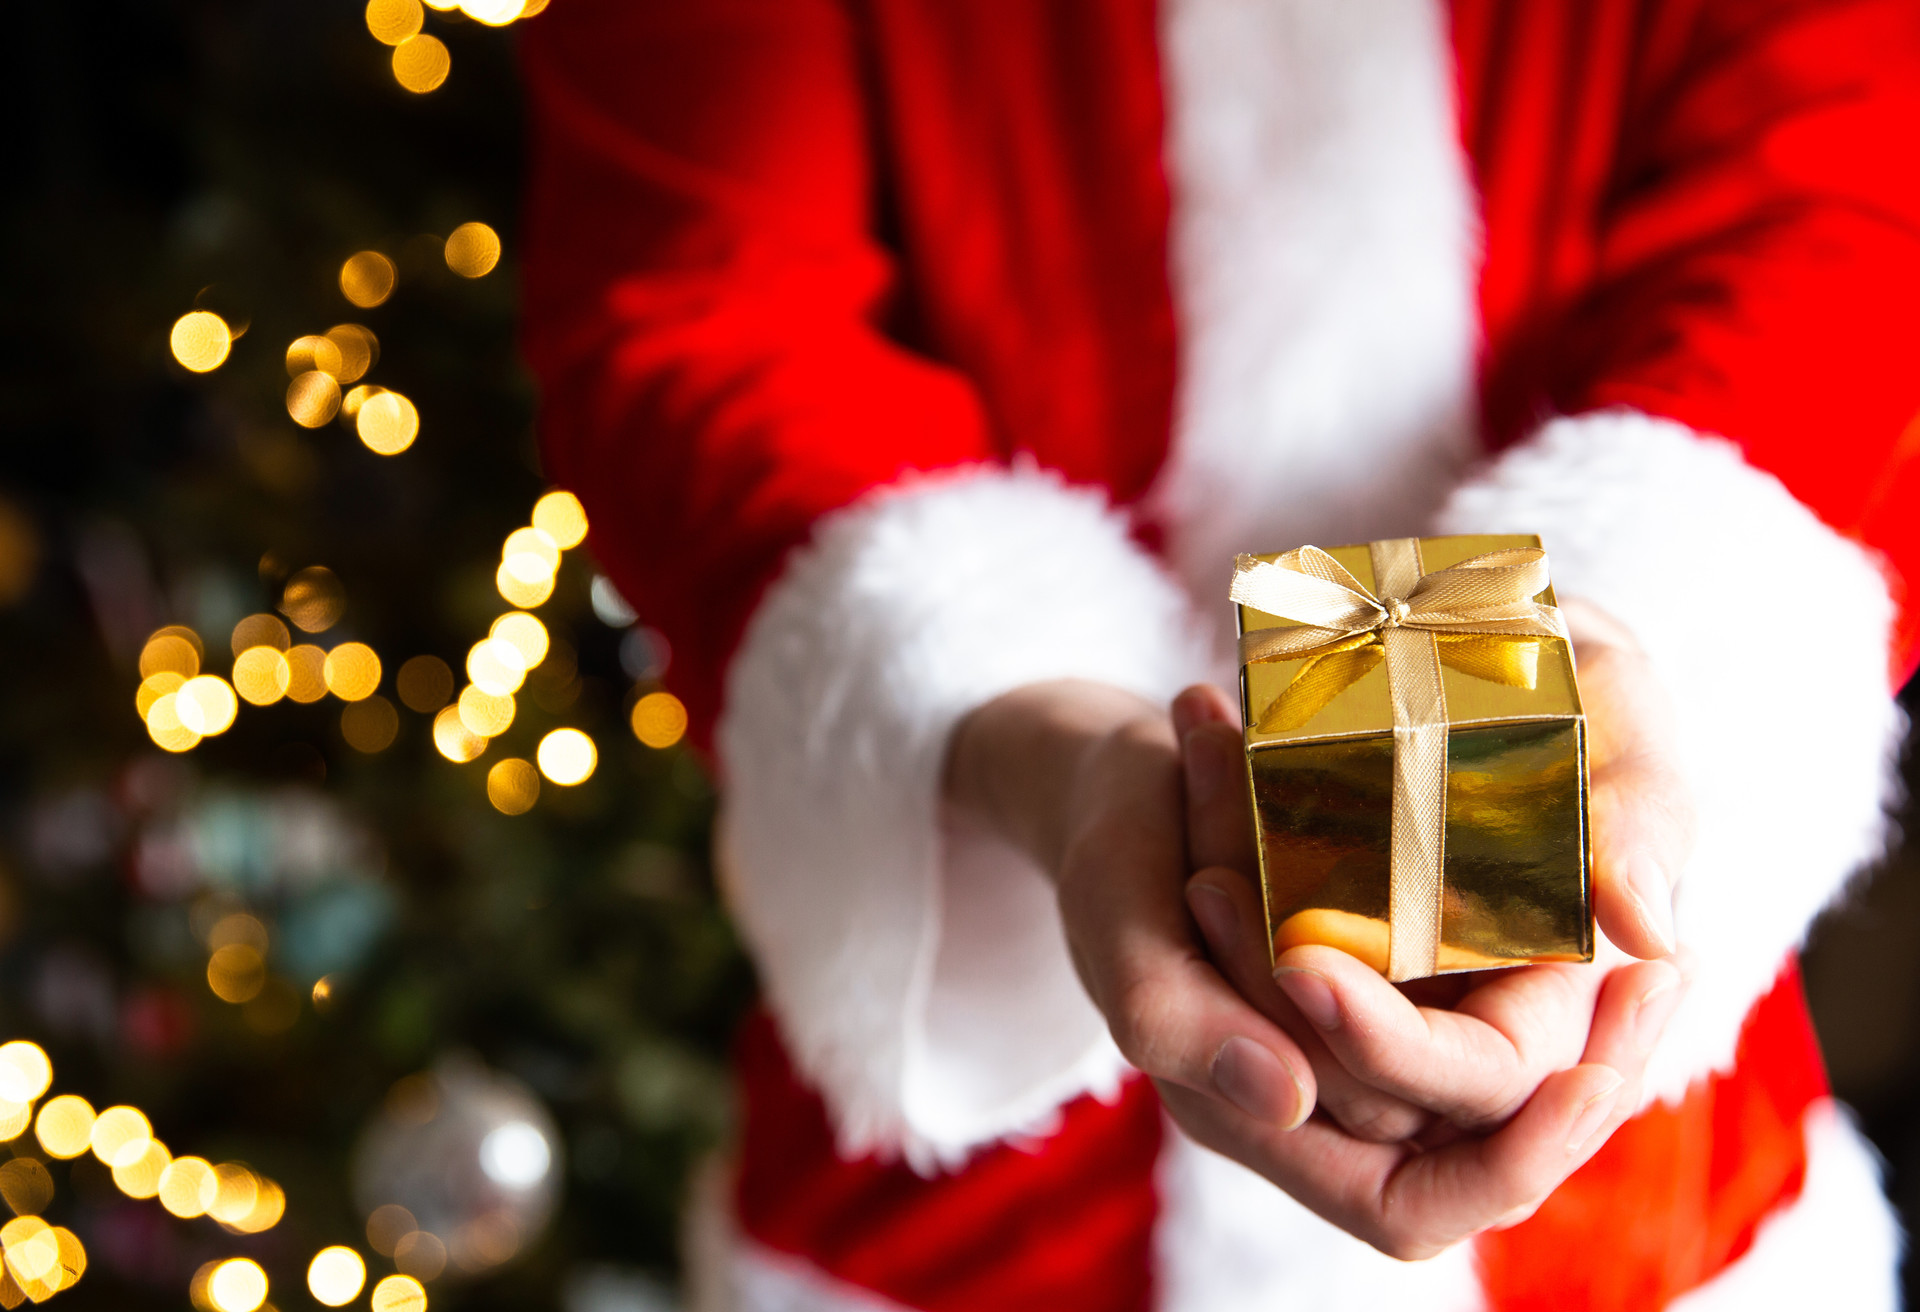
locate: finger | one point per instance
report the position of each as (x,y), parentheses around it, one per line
(1203,703)
(1229,914)
(1635,1004)
(1474,1065)
(1640,803)
(1171,1012)
(1220,830)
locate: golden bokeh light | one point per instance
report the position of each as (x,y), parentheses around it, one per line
(359,350)
(236,973)
(64,1126)
(472,250)
(336,1275)
(370,725)
(659,719)
(206,705)
(494,13)
(236,1192)
(170,651)
(525,633)
(119,1134)
(387,423)
(164,726)
(25,1071)
(496,666)
(269,1205)
(237,1285)
(139,1176)
(187,1186)
(14,1119)
(153,688)
(567,756)
(393,21)
(261,675)
(513,786)
(387,1225)
(200,341)
(260,631)
(367,278)
(530,555)
(31,1247)
(425,684)
(73,1260)
(420,1255)
(238,927)
(314,599)
(350,403)
(562,518)
(306,673)
(352,671)
(313,398)
(26,1186)
(520,593)
(420,64)
(487,714)
(453,740)
(323,989)
(399,1294)
(306,354)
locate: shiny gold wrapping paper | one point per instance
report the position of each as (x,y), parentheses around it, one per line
(1320,767)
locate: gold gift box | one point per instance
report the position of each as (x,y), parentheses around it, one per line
(1516,885)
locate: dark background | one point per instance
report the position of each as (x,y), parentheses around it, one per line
(166,154)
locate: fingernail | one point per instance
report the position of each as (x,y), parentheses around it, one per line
(1311,993)
(1208,770)
(1218,920)
(1652,898)
(1594,1115)
(1259,1083)
(1653,1011)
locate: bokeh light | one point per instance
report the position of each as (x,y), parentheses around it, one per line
(26,1186)
(562,518)
(393,21)
(472,250)
(350,403)
(260,631)
(261,675)
(496,666)
(187,1186)
(513,786)
(525,633)
(206,705)
(64,1126)
(119,1134)
(32,1249)
(268,1206)
(387,1225)
(387,423)
(359,350)
(306,673)
(487,714)
(314,599)
(567,756)
(237,1285)
(367,277)
(14,1119)
(494,13)
(25,1071)
(236,972)
(153,688)
(399,1294)
(172,650)
(421,1255)
(659,719)
(138,1176)
(530,555)
(200,341)
(313,398)
(236,1192)
(370,725)
(521,593)
(165,727)
(425,683)
(337,1274)
(306,354)
(352,671)
(420,64)
(453,740)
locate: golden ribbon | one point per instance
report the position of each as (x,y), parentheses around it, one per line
(1417,622)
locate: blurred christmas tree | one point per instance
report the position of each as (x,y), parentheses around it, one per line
(470,999)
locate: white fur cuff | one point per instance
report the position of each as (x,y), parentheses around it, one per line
(1788,744)
(920,974)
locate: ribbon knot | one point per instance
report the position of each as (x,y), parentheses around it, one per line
(1397,612)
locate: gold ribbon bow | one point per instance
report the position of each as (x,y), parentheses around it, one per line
(1416,623)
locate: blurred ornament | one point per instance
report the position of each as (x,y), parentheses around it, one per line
(466,1157)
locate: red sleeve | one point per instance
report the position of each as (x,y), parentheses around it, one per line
(704,298)
(1736,243)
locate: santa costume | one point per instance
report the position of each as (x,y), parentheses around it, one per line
(909,351)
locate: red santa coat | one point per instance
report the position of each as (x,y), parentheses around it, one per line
(906,351)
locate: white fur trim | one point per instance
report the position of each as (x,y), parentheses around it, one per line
(1324,250)
(1837,1245)
(1228,1241)
(1790,750)
(922,980)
